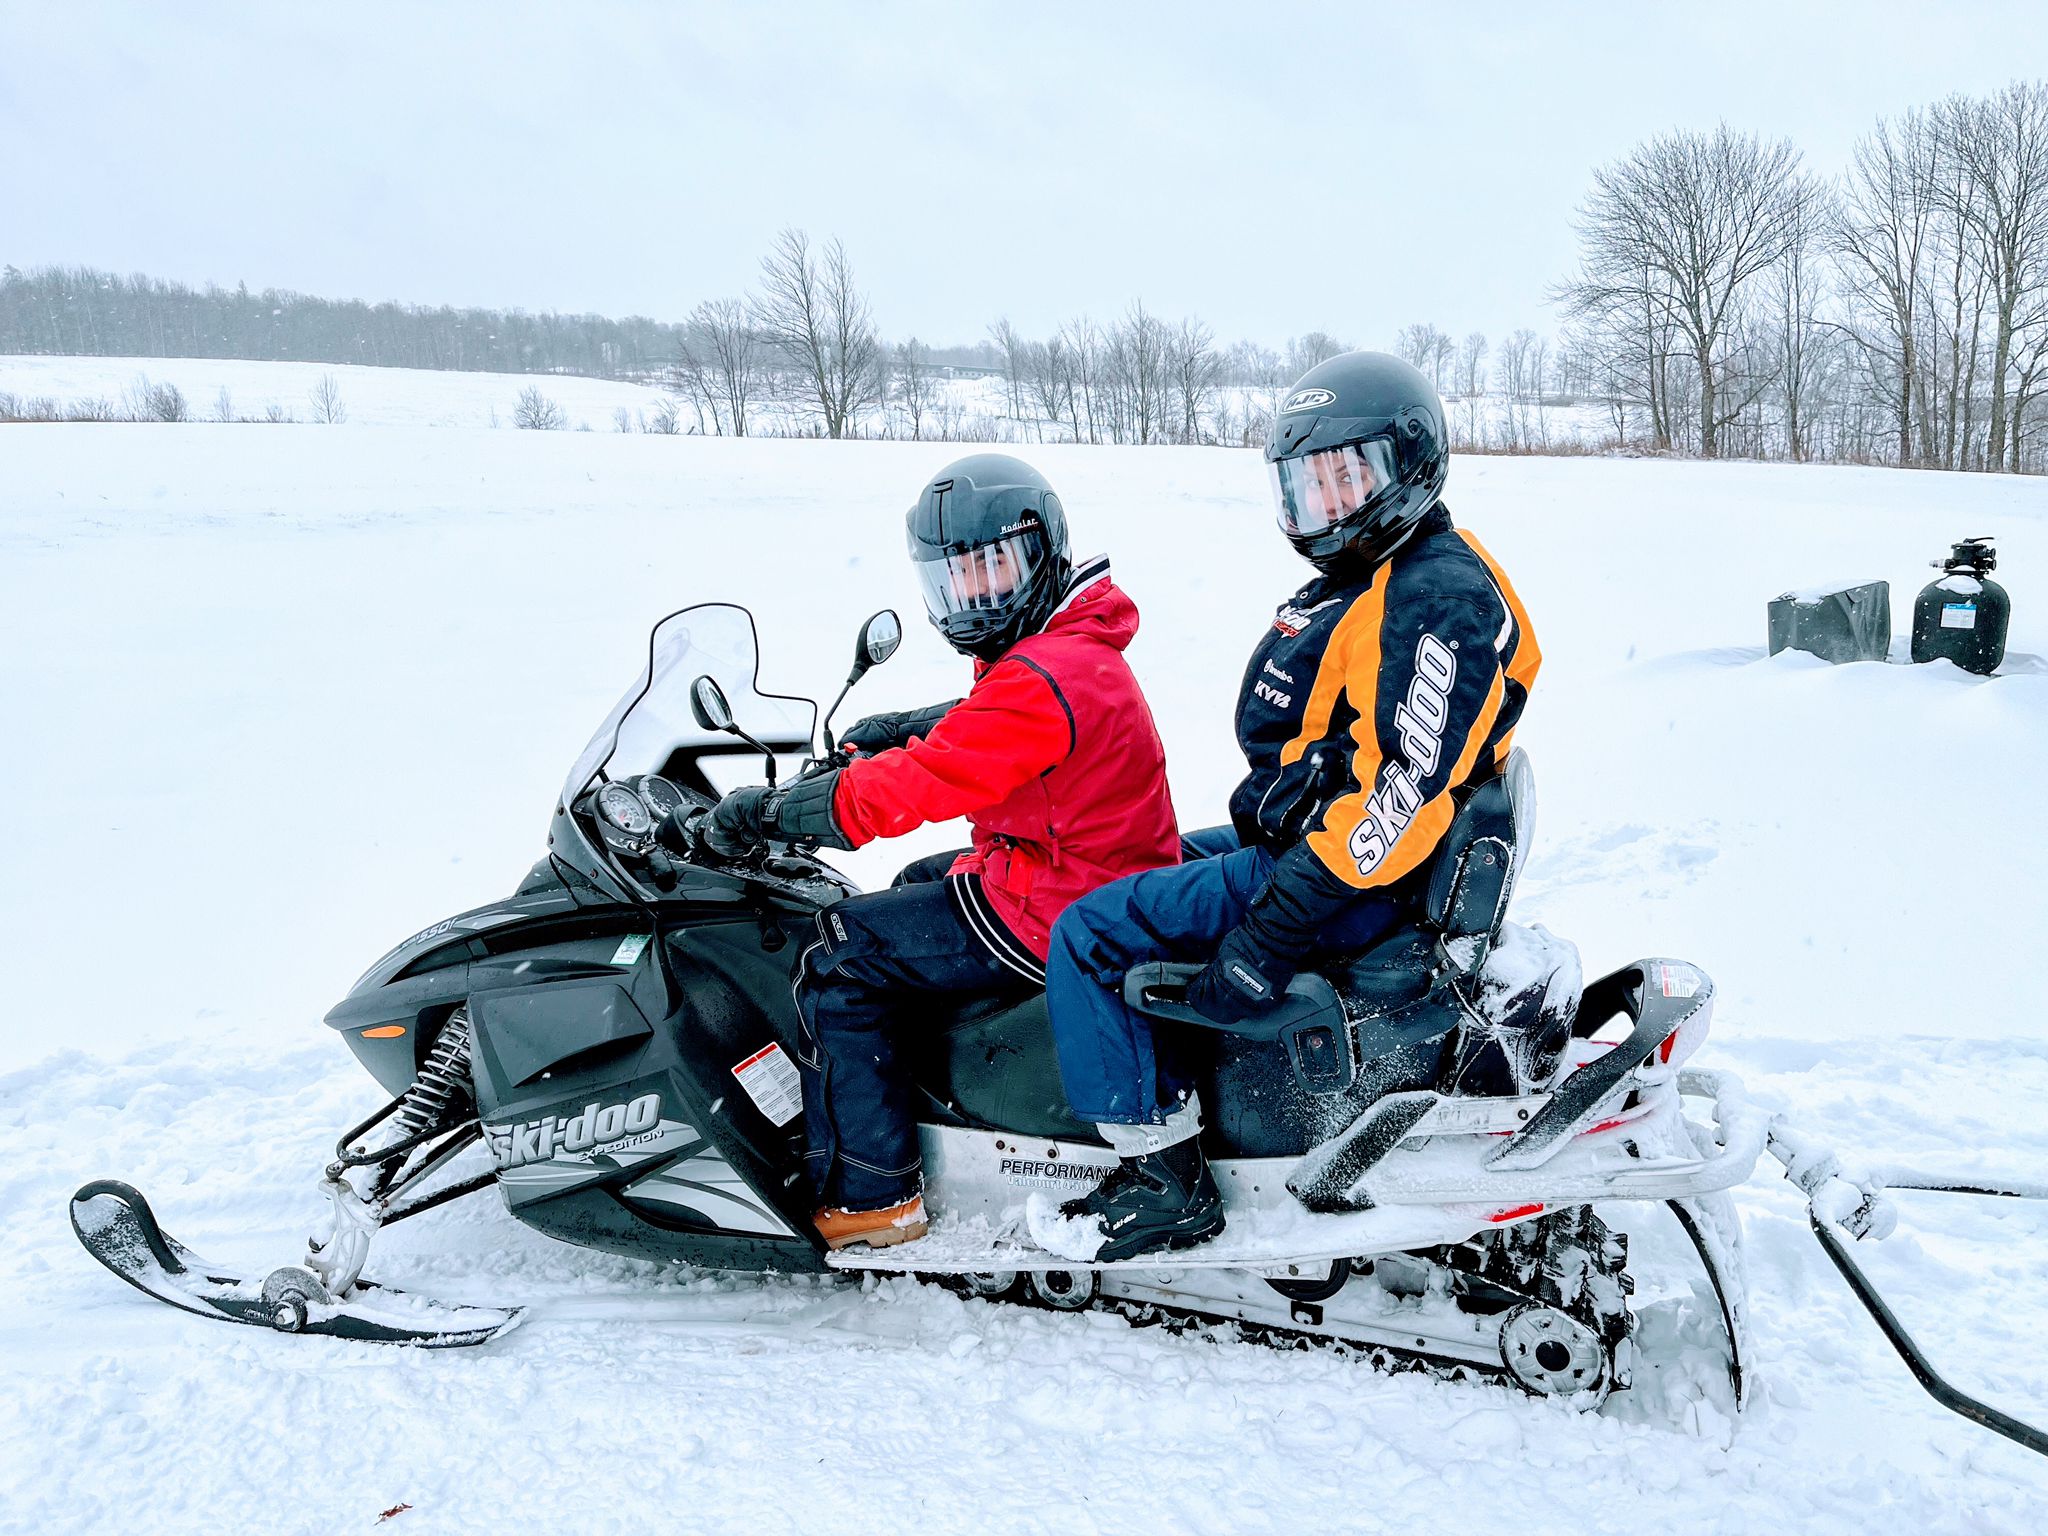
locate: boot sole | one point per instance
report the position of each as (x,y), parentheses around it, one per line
(1175,1240)
(884,1237)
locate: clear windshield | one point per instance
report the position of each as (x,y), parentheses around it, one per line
(647,726)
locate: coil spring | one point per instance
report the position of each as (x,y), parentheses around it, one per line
(443,1080)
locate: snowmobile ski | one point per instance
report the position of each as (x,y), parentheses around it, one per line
(117,1227)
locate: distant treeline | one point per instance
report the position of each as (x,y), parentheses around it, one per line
(82,312)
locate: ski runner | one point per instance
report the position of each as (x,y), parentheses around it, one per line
(1384,688)
(1054,760)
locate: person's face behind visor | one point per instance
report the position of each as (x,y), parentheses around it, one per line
(1315,492)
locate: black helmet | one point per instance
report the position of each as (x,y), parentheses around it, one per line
(1359,454)
(990,542)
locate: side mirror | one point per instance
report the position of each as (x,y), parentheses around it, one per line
(708,704)
(879,638)
(714,713)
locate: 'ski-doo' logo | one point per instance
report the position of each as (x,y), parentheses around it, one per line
(596,1128)
(1307,400)
(1419,719)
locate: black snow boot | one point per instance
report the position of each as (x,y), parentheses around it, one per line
(1162,1200)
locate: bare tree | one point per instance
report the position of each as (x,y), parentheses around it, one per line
(327,404)
(1084,347)
(1685,224)
(223,405)
(2000,147)
(661,417)
(1472,364)
(1428,348)
(917,383)
(537,413)
(1012,347)
(1304,352)
(622,418)
(1795,290)
(1192,367)
(720,364)
(1879,238)
(811,311)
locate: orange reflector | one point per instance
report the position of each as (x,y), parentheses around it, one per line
(384,1032)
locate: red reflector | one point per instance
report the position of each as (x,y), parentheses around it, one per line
(1515,1213)
(384,1032)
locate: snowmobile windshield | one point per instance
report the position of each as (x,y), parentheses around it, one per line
(654,720)
(1317,491)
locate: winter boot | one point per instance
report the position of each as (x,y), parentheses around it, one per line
(1160,1200)
(878,1229)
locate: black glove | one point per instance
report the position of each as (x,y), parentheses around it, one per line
(880,733)
(747,818)
(738,824)
(1244,980)
(803,812)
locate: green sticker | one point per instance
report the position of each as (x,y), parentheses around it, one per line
(630,948)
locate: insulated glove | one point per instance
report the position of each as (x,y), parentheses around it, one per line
(1243,981)
(738,824)
(880,733)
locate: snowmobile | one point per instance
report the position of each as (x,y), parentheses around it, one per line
(1410,1148)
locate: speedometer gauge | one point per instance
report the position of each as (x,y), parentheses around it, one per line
(624,810)
(662,797)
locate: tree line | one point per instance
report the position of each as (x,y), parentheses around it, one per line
(1728,302)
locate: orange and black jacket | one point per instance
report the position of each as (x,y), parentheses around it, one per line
(1376,696)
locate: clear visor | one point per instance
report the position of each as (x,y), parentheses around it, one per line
(1319,490)
(983,580)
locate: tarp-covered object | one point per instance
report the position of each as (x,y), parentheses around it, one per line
(1849,623)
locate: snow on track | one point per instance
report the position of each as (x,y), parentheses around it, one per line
(279,695)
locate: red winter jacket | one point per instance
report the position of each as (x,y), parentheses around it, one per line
(1052,757)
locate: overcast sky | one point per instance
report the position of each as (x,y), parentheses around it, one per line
(1273,168)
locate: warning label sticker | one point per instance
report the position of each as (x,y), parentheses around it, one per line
(1679,980)
(769,1077)
(1958,615)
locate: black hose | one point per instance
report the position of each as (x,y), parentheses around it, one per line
(1950,1397)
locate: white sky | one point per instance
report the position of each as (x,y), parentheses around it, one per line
(1272,168)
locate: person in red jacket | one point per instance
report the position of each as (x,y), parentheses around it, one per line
(1054,760)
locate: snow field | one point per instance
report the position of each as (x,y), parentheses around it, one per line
(280,697)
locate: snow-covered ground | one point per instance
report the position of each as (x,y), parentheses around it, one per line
(278,696)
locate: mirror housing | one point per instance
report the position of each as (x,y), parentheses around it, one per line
(710,706)
(879,638)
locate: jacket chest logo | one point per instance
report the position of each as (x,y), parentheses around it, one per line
(1265,690)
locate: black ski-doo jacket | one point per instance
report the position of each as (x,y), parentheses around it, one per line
(1375,695)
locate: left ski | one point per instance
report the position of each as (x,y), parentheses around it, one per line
(117,1227)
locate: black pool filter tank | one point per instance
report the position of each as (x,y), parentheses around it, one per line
(1961,616)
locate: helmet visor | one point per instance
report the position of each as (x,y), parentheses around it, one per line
(987,580)
(1317,491)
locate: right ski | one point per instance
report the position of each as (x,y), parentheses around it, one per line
(117,1227)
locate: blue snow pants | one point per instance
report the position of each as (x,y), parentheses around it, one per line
(1119,1067)
(879,960)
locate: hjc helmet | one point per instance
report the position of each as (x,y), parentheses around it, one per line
(990,541)
(1359,454)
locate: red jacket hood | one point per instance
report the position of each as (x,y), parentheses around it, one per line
(1095,608)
